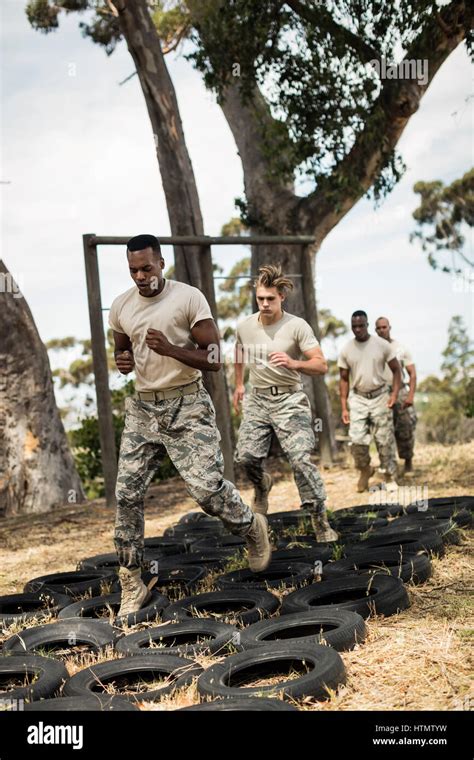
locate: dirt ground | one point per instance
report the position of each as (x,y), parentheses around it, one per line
(420,659)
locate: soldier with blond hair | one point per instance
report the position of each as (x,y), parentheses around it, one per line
(278,347)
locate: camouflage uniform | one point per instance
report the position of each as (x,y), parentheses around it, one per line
(288,415)
(404,420)
(186,428)
(372,417)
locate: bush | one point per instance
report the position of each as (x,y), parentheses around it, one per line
(85,445)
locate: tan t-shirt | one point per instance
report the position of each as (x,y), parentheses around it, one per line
(256,341)
(366,361)
(404,357)
(174,311)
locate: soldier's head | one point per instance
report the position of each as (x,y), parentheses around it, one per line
(271,289)
(359,325)
(146,264)
(383,327)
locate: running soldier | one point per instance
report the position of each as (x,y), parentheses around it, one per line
(278,346)
(164,330)
(362,364)
(404,414)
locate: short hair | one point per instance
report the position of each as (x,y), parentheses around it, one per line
(359,313)
(271,276)
(386,319)
(140,242)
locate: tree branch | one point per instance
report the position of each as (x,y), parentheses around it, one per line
(322,18)
(397,102)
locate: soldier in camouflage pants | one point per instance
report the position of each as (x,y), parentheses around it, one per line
(404,420)
(372,417)
(288,415)
(185,428)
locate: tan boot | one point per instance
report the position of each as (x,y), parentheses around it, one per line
(390,482)
(258,544)
(365,475)
(260,500)
(134,591)
(322,530)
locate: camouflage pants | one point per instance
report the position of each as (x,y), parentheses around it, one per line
(404,420)
(288,415)
(372,417)
(186,429)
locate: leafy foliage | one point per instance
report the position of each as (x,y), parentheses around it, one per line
(443,212)
(448,409)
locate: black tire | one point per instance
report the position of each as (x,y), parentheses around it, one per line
(74,583)
(429,541)
(327,671)
(414,568)
(298,542)
(281,520)
(48,675)
(24,608)
(213,559)
(278,575)
(165,546)
(381,510)
(236,543)
(95,634)
(111,561)
(199,528)
(306,556)
(94,679)
(338,628)
(187,638)
(97,606)
(381,594)
(462,517)
(246,704)
(94,703)
(176,581)
(447,529)
(460,502)
(357,523)
(258,604)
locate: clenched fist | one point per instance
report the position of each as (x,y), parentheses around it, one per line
(158,342)
(124,361)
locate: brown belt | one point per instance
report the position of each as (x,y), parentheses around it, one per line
(276,390)
(371,394)
(168,393)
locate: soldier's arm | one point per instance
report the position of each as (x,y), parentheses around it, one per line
(314,364)
(394,365)
(206,356)
(344,393)
(239,366)
(123,353)
(411,369)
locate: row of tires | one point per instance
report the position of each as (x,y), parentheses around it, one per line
(383,548)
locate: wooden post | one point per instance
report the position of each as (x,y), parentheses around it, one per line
(216,385)
(101,372)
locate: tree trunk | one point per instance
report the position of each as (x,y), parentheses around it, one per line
(37,471)
(193,264)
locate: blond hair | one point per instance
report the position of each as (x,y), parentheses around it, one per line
(271,276)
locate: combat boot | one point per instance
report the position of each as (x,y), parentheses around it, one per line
(258,544)
(134,591)
(365,475)
(260,500)
(322,530)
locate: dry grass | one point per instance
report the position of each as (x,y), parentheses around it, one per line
(420,659)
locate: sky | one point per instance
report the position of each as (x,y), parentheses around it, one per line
(79,157)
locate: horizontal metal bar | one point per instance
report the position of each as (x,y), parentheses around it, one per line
(206,240)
